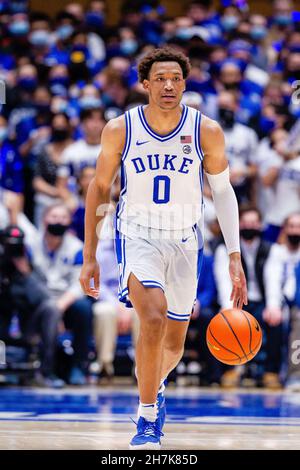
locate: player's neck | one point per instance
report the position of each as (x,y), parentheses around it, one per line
(162,121)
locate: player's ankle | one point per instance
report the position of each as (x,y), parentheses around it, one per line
(148,411)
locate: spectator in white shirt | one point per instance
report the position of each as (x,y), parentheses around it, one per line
(83,152)
(58,255)
(241,146)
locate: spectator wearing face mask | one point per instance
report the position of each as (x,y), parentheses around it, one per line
(18,29)
(281,287)
(58,255)
(255,253)
(281,19)
(23,93)
(241,145)
(40,36)
(230,19)
(228,74)
(48,161)
(258,34)
(84,152)
(59,80)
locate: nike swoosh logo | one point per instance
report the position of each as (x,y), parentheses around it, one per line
(185,239)
(257,327)
(141,143)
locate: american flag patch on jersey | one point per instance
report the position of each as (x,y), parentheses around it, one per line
(185,139)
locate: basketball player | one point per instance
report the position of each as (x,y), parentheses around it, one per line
(162,149)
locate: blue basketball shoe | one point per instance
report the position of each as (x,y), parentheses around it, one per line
(161,407)
(148,435)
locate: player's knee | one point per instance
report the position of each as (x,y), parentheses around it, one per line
(175,349)
(154,324)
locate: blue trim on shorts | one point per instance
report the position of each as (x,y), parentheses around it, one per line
(178,316)
(124,293)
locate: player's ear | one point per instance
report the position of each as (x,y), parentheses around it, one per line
(146,85)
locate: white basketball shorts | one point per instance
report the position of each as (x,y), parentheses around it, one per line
(171,263)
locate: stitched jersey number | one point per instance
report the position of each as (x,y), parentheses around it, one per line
(161,189)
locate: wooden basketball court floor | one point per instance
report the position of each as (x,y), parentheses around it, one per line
(98,418)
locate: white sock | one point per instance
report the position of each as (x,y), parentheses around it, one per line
(148,411)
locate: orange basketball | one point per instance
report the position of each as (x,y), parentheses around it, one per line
(234,336)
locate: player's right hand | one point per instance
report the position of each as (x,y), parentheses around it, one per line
(90,271)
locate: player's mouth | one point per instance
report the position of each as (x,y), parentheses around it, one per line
(168,97)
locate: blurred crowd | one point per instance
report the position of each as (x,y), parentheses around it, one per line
(65,77)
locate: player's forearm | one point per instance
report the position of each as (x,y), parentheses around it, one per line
(226,207)
(96,197)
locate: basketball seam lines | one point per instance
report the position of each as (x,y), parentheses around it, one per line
(224,347)
(249,329)
(234,334)
(241,358)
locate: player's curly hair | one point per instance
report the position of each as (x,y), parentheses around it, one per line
(163,54)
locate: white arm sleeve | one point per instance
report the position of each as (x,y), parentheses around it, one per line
(222,277)
(226,209)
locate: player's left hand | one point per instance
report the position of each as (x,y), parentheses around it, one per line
(238,279)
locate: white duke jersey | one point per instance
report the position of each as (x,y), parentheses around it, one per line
(161,175)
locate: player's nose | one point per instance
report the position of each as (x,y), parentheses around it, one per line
(168,85)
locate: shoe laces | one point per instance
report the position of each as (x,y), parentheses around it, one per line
(150,428)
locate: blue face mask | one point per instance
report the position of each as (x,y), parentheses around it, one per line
(258,32)
(89,102)
(64,31)
(183,33)
(283,20)
(3,133)
(39,38)
(19,28)
(28,83)
(59,85)
(129,46)
(94,19)
(62,80)
(229,22)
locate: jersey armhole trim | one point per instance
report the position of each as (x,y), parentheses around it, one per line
(197,135)
(128,135)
